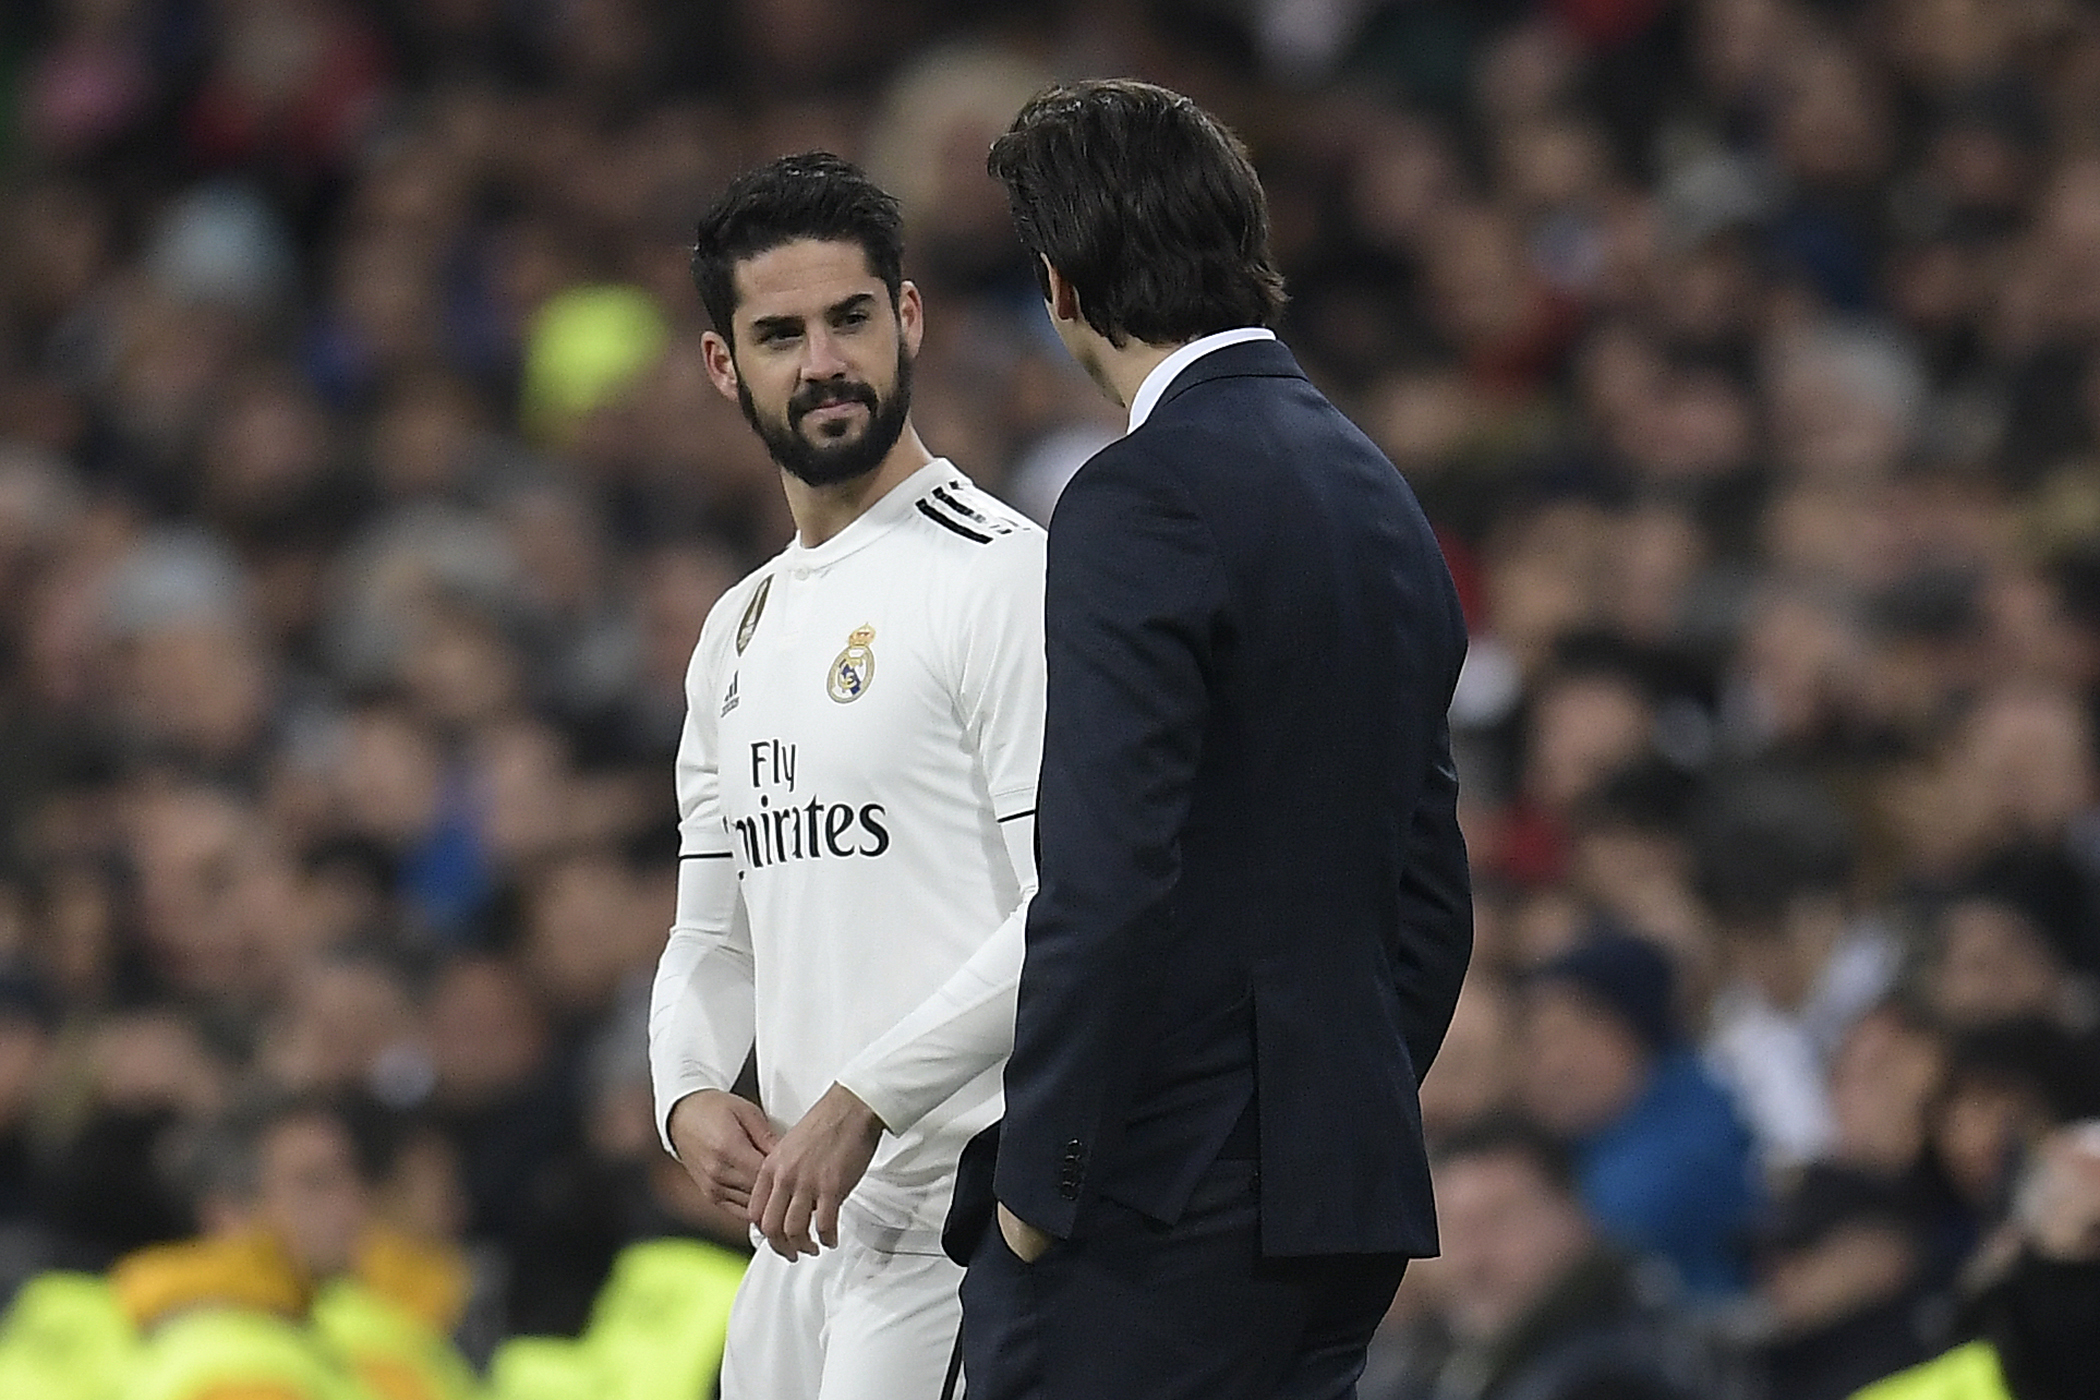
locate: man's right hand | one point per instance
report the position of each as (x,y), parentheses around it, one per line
(722,1140)
(2059,1204)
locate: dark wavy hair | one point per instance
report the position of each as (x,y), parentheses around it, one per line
(812,195)
(1508,1134)
(1147,204)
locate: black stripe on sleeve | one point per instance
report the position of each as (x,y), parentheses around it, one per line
(1016,816)
(945,523)
(940,493)
(970,513)
(708,855)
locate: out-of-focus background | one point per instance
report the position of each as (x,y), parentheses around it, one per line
(362,494)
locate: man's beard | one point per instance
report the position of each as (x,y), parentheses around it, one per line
(829,463)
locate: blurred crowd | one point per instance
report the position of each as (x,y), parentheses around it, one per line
(362,493)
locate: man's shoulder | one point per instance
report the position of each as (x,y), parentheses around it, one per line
(1248,412)
(1259,379)
(957,525)
(1145,462)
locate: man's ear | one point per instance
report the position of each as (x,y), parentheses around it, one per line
(1063,298)
(911,317)
(721,363)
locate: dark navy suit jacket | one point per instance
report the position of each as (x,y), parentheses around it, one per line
(1253,887)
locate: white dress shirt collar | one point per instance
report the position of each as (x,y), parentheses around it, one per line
(1148,395)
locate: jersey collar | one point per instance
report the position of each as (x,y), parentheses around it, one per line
(877,520)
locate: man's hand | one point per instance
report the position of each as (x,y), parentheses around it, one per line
(811,1170)
(1025,1240)
(722,1140)
(2059,1204)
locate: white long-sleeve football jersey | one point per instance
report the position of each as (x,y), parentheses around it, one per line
(856,797)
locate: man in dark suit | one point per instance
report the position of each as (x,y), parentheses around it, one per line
(1254,913)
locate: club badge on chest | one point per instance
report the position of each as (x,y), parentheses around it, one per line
(854,669)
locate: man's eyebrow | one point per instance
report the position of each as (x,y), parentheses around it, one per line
(765,325)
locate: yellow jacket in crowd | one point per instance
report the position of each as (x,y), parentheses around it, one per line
(228,1319)
(1966,1373)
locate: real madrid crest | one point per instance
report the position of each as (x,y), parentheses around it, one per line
(854,670)
(752,612)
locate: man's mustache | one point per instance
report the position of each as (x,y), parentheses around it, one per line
(812,397)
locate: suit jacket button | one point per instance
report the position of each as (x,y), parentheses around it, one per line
(1068,1189)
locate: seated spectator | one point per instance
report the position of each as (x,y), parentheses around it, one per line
(508,1099)
(1842,1279)
(1533,1303)
(1662,1160)
(1885,1082)
(347,1025)
(1798,964)
(2012,942)
(146,1076)
(1883,1078)
(2007,1084)
(293,1284)
(2035,1337)
(1630,860)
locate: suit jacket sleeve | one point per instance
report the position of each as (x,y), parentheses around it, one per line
(1134,603)
(1436,910)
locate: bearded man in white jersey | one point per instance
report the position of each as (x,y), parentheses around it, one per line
(856,795)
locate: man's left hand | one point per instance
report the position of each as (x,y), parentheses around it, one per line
(1026,1241)
(809,1173)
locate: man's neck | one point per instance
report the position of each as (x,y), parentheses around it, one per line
(820,512)
(1123,371)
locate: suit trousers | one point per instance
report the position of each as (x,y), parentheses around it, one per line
(1189,1311)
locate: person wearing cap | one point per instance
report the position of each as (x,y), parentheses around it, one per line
(1663,1161)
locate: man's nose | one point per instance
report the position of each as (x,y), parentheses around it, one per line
(822,358)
